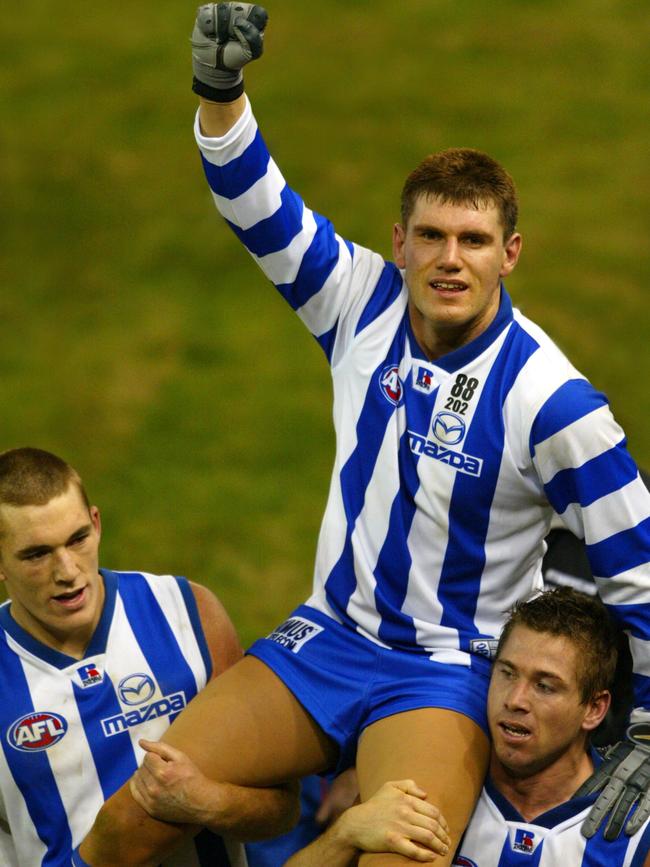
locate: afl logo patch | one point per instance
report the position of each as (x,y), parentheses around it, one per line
(448,428)
(36,731)
(136,688)
(462,861)
(391,385)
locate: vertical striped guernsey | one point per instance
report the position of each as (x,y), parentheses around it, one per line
(70,728)
(446,474)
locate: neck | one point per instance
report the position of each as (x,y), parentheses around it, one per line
(440,338)
(535,793)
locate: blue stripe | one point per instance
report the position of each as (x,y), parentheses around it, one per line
(641,688)
(388,288)
(277,231)
(326,341)
(596,478)
(113,756)
(356,474)
(572,401)
(155,637)
(620,552)
(320,259)
(464,561)
(195,620)
(394,561)
(31,771)
(239,175)
(642,849)
(211,850)
(633,617)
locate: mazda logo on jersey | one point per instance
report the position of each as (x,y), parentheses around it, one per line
(36,731)
(448,428)
(136,688)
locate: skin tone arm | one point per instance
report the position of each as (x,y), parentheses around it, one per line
(396,819)
(239,812)
(218,117)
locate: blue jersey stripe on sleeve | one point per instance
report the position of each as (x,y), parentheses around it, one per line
(573,400)
(195,620)
(237,176)
(596,478)
(385,292)
(632,617)
(277,231)
(32,770)
(621,552)
(326,342)
(317,264)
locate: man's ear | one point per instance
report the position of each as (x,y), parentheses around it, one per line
(399,235)
(512,249)
(596,709)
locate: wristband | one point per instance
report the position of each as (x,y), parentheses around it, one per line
(214,94)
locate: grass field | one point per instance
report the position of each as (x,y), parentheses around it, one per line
(140,342)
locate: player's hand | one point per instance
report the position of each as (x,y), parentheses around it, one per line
(226,37)
(343,792)
(397,819)
(170,787)
(623,781)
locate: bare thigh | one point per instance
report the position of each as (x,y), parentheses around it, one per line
(445,752)
(247,728)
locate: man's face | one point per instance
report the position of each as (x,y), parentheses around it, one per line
(49,563)
(454,257)
(534,703)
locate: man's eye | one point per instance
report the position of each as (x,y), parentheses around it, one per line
(545,687)
(36,555)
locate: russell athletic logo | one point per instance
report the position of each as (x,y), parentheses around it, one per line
(294,633)
(524,841)
(36,731)
(89,675)
(391,385)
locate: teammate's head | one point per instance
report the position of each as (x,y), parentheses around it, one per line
(32,477)
(550,683)
(463,176)
(49,549)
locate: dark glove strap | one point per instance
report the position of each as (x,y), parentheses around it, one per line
(229,94)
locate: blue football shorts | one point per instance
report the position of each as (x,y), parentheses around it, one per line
(346,682)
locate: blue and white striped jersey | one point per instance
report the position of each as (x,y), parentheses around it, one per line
(69,728)
(446,473)
(498,836)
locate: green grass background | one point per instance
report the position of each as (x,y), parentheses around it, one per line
(139,341)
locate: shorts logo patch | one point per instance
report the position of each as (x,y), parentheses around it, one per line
(36,731)
(484,647)
(462,861)
(524,841)
(294,633)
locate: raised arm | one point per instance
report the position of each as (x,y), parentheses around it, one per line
(226,37)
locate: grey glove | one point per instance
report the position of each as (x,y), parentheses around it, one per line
(226,37)
(623,781)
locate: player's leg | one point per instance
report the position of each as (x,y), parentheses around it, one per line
(245,727)
(445,752)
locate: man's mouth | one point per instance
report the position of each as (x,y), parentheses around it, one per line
(448,285)
(71,598)
(513,730)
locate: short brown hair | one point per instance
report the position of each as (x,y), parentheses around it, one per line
(32,477)
(463,176)
(582,619)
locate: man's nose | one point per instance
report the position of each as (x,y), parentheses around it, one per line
(449,255)
(517,697)
(66,568)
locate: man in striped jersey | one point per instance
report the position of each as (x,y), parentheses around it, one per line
(90,662)
(460,427)
(549,691)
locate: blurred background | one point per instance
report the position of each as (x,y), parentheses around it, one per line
(140,342)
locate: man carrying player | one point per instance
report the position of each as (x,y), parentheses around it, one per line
(460,428)
(91,661)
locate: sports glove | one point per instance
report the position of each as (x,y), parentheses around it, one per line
(226,37)
(623,781)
